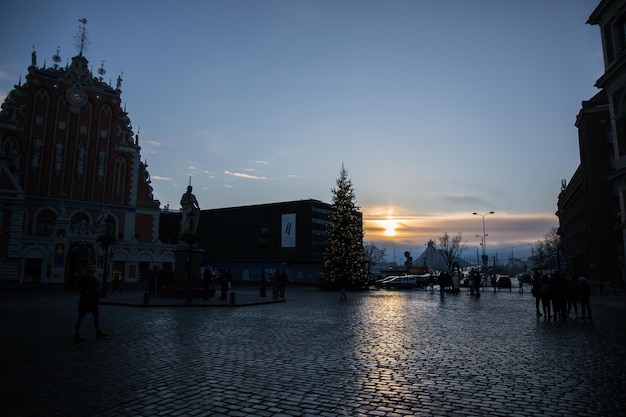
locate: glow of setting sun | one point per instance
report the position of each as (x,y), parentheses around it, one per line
(390,227)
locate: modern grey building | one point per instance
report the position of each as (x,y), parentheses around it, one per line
(249,239)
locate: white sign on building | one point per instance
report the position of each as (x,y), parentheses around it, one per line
(288,232)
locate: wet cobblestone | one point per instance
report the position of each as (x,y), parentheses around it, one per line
(381,353)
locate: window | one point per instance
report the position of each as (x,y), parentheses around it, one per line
(45,222)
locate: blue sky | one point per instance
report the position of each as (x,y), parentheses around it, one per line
(437,109)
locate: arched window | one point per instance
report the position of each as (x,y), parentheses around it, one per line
(119,180)
(80,223)
(44,225)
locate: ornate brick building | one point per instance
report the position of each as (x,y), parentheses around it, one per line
(72,183)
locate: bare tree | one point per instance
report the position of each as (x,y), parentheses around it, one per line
(546,251)
(373,256)
(552,242)
(451,248)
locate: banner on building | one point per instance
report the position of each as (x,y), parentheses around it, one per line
(289,231)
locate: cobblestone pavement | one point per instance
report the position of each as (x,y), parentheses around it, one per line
(381,353)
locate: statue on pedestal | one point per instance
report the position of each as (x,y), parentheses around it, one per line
(191,212)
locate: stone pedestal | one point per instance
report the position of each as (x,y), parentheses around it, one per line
(179,286)
(182,255)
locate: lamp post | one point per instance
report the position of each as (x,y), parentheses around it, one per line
(263,247)
(484,240)
(190,238)
(106,239)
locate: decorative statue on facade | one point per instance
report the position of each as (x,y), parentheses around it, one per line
(191,212)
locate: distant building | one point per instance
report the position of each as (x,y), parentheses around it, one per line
(244,239)
(70,172)
(610,16)
(433,259)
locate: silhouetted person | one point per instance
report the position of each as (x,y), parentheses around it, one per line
(224,283)
(442,285)
(572,297)
(154,275)
(89,287)
(536,291)
(207,277)
(282,283)
(545,296)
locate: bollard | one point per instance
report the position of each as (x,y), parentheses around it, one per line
(232,298)
(146,298)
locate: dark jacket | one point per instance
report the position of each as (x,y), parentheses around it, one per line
(89,288)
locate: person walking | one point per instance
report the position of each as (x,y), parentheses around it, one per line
(476,283)
(572,297)
(536,291)
(456,283)
(89,287)
(224,283)
(282,283)
(442,285)
(584,296)
(154,275)
(545,297)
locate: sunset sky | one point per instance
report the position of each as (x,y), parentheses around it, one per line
(437,109)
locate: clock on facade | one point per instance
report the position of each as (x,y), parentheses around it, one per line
(76,96)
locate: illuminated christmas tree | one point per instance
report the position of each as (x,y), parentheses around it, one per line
(344,256)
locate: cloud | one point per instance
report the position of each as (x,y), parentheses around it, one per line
(466,200)
(156,177)
(247,176)
(152,143)
(262,162)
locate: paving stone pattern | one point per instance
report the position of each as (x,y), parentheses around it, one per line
(381,353)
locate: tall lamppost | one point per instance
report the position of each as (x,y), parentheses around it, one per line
(190,238)
(106,239)
(484,240)
(263,246)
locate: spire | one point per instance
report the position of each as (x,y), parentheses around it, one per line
(82,41)
(102,70)
(56,58)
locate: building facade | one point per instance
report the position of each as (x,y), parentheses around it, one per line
(73,188)
(610,16)
(586,205)
(251,240)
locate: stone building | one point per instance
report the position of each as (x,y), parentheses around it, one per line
(610,16)
(73,188)
(586,205)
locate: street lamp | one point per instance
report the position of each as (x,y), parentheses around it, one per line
(263,246)
(190,238)
(484,240)
(106,239)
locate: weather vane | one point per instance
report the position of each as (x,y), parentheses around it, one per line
(82,41)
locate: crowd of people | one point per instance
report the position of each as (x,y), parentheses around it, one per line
(559,295)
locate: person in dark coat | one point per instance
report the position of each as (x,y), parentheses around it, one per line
(224,283)
(442,285)
(282,283)
(154,275)
(544,292)
(536,290)
(89,287)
